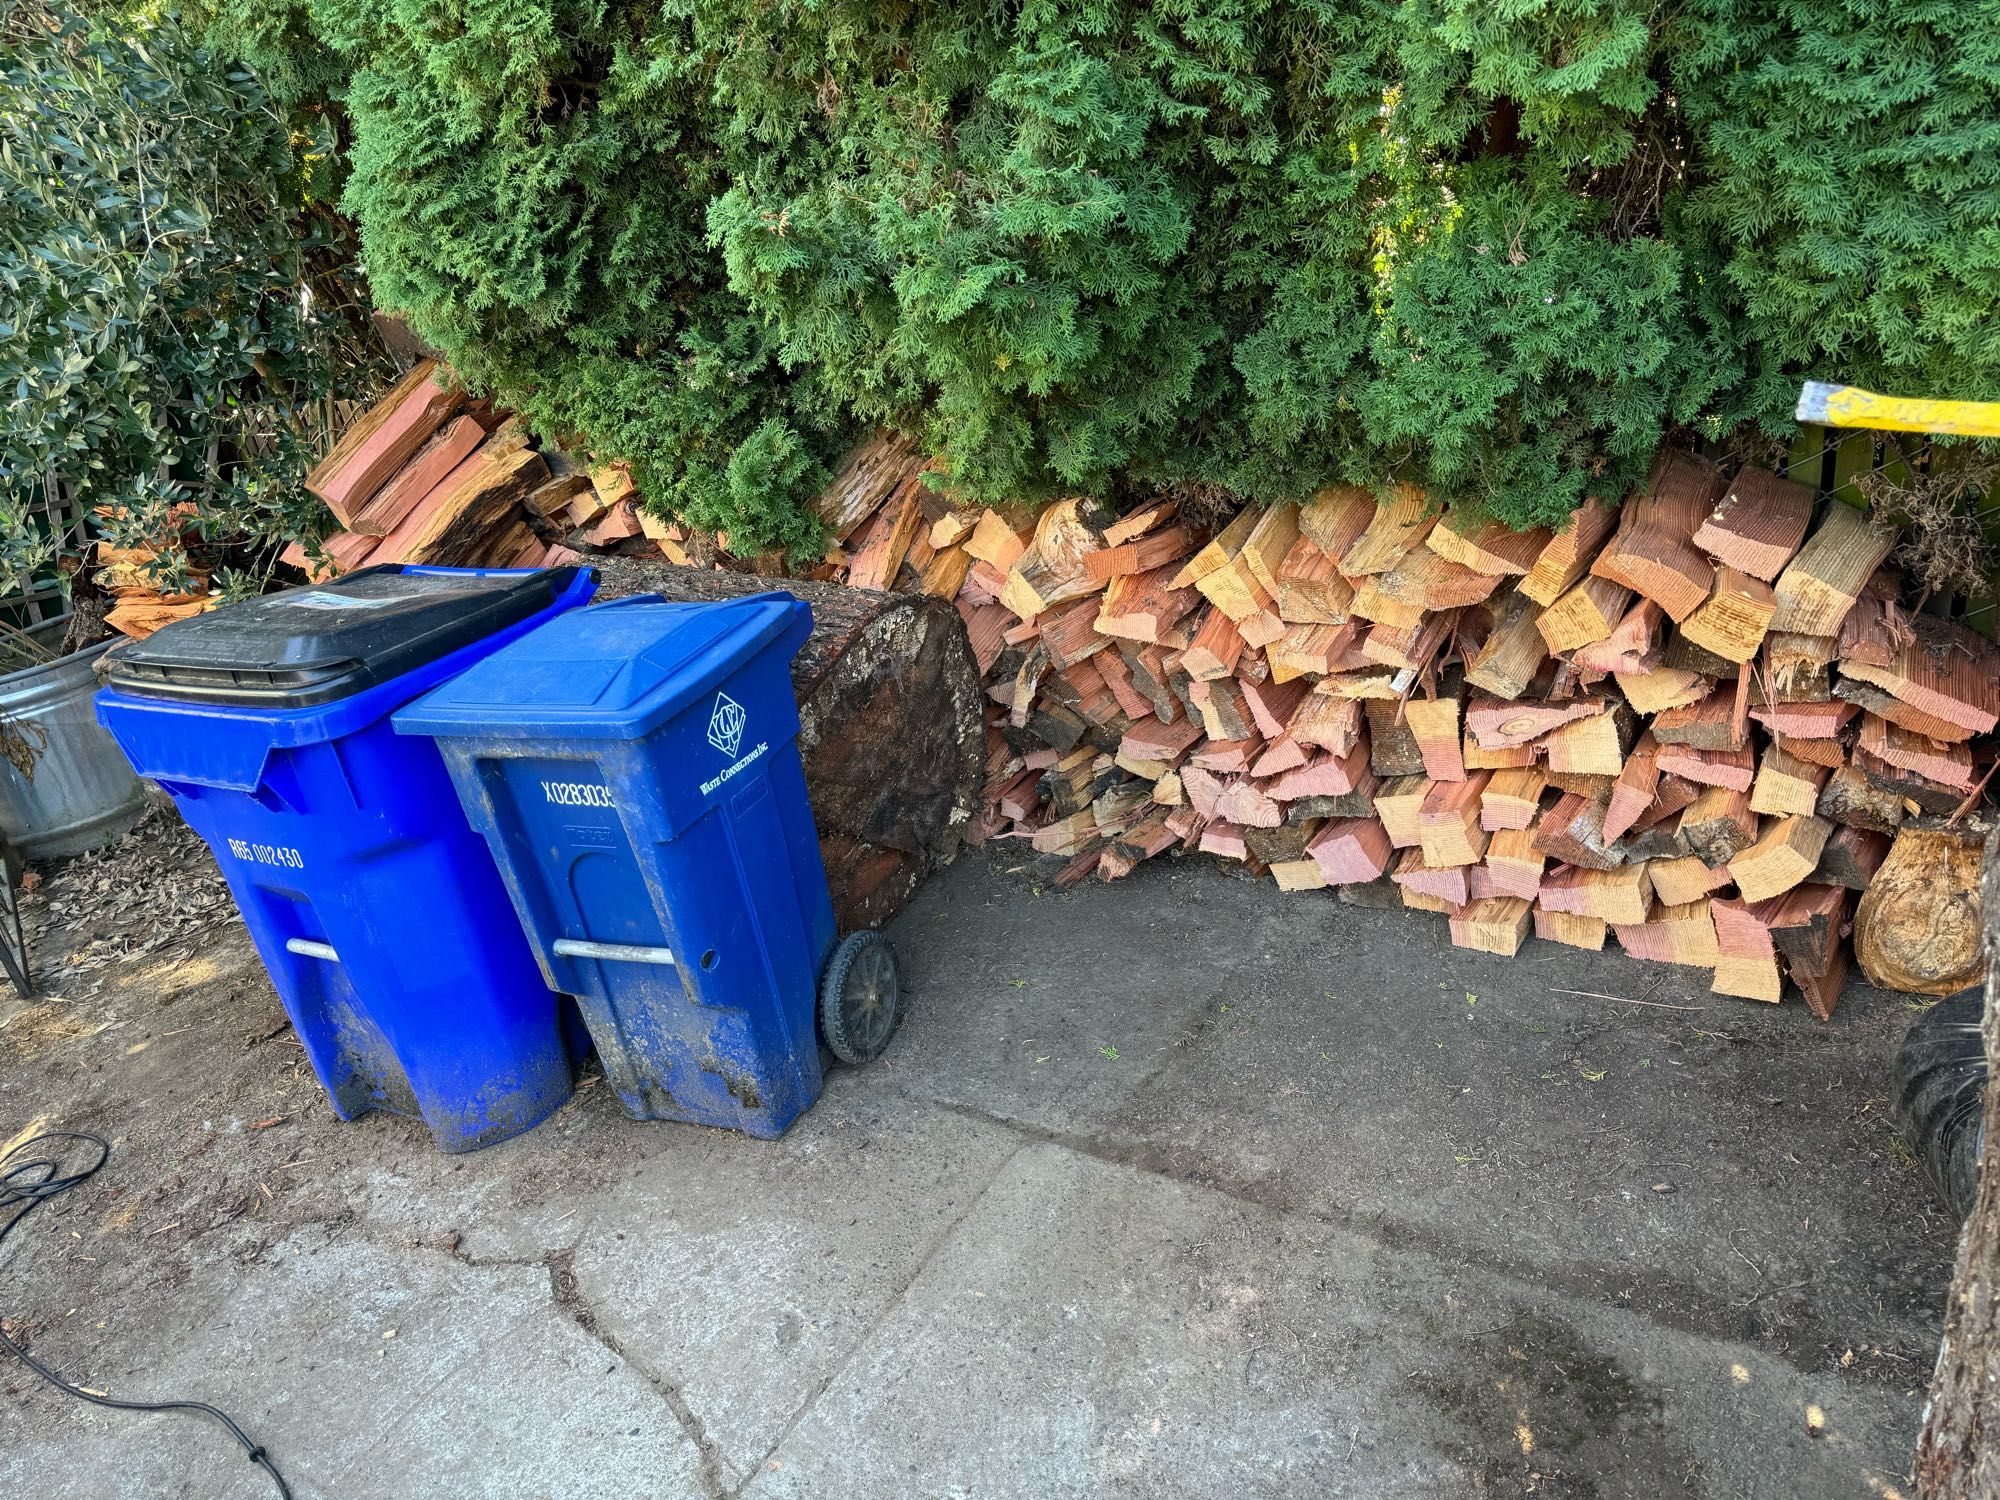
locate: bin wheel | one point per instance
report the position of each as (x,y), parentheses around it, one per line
(1941,1095)
(860,999)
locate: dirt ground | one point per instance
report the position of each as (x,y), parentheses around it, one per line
(1175,1187)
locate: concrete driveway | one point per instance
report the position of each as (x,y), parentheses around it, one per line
(1176,1187)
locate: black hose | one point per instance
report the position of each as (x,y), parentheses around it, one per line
(33,1182)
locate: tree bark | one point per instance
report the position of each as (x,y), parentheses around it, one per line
(891,728)
(1954,1461)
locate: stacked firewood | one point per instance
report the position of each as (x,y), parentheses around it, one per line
(430,475)
(1701,721)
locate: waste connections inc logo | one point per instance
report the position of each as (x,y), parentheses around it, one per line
(725,725)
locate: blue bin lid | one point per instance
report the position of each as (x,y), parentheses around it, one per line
(611,671)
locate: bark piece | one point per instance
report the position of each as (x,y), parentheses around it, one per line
(1719,825)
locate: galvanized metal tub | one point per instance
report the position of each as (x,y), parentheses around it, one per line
(65,786)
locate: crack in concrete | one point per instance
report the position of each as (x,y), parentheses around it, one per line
(1390,1235)
(569,1299)
(566,1292)
(820,1387)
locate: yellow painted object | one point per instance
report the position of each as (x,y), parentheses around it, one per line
(1850,406)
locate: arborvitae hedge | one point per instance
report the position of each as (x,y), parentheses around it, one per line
(1496,250)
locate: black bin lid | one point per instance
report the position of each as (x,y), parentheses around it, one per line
(315,644)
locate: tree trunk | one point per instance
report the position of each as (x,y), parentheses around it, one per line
(891,728)
(1954,1462)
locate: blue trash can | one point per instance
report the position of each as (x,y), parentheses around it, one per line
(635,768)
(376,909)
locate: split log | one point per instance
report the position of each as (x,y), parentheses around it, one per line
(1569,554)
(1656,690)
(1587,613)
(454,525)
(1917,928)
(886,543)
(1733,620)
(1673,934)
(1392,746)
(1622,895)
(1719,825)
(1422,583)
(1512,867)
(1593,746)
(1632,645)
(1335,518)
(389,505)
(1310,649)
(1653,553)
(1485,545)
(1849,798)
(891,727)
(1053,570)
(1734,769)
(1497,723)
(998,542)
(1496,924)
(1783,856)
(1677,882)
(1570,929)
(385,438)
(869,474)
(1398,804)
(1824,581)
(1351,851)
(1144,607)
(1434,725)
(1933,797)
(1514,649)
(1851,858)
(1759,524)
(1946,764)
(1945,670)
(1572,831)
(1448,828)
(1446,883)
(1785,784)
(1707,725)
(1822,721)
(1392,531)
(1512,798)
(1310,589)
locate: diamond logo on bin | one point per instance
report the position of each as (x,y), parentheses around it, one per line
(725,725)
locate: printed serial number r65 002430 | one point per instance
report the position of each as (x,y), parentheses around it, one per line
(267,854)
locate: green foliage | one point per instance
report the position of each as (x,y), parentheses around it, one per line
(164,362)
(1498,251)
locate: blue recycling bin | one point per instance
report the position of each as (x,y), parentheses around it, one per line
(378,912)
(635,768)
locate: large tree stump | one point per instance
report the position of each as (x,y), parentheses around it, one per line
(1918,927)
(1955,1461)
(891,729)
